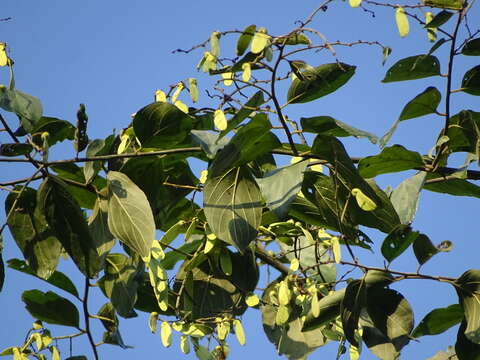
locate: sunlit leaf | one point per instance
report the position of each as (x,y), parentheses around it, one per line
(220,120)
(363,200)
(260,40)
(245,39)
(402,22)
(439,320)
(467,287)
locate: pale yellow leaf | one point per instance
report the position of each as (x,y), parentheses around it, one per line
(315,305)
(3,55)
(178,90)
(179,104)
(252,300)
(363,200)
(402,22)
(166,334)
(431,32)
(209,244)
(192,87)
(284,293)
(283,312)
(220,120)
(227,78)
(247,71)
(354,3)
(55,353)
(337,254)
(160,96)
(260,41)
(156,250)
(203,176)
(239,332)
(184,344)
(294,264)
(214,43)
(37,325)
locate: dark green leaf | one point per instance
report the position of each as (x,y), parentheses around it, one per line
(424,249)
(172,257)
(233,206)
(28,108)
(463,131)
(471,81)
(51,308)
(245,39)
(391,314)
(130,217)
(472,48)
(58,130)
(379,344)
(406,195)
(351,306)
(468,290)
(293,39)
(329,309)
(280,186)
(377,278)
(445,4)
(327,125)
(441,18)
(77,357)
(161,125)
(81,137)
(57,278)
(15,149)
(214,293)
(289,340)
(250,141)
(114,338)
(96,148)
(320,81)
(437,45)
(457,187)
(464,348)
(439,320)
(30,231)
(423,104)
(413,67)
(67,222)
(392,159)
(398,241)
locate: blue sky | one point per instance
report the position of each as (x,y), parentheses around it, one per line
(113,55)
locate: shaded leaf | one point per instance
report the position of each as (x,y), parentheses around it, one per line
(27,107)
(233,206)
(445,4)
(98,226)
(464,348)
(424,249)
(327,125)
(329,309)
(379,344)
(456,187)
(392,159)
(439,320)
(96,148)
(51,308)
(39,246)
(58,130)
(423,104)
(351,306)
(245,39)
(413,67)
(210,142)
(130,217)
(467,287)
(57,278)
(319,81)
(280,186)
(67,222)
(15,149)
(398,241)
(472,48)
(471,81)
(441,18)
(293,39)
(406,195)
(161,125)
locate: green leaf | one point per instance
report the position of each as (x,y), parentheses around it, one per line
(445,4)
(441,18)
(412,68)
(319,81)
(250,142)
(468,291)
(121,289)
(66,219)
(391,314)
(471,81)
(456,187)
(249,107)
(293,39)
(392,159)
(464,348)
(96,148)
(406,195)
(472,48)
(437,45)
(351,306)
(379,344)
(161,125)
(210,142)
(30,231)
(398,241)
(245,39)
(58,130)
(15,149)
(98,226)
(329,310)
(27,107)
(439,320)
(51,308)
(172,257)
(327,125)
(233,206)
(423,104)
(289,339)
(130,217)
(424,249)
(280,186)
(57,278)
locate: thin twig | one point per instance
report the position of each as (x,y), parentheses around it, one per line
(86,315)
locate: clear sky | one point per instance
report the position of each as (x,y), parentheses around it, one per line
(113,55)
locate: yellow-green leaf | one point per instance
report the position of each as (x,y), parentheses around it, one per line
(55,353)
(239,333)
(363,200)
(220,120)
(282,315)
(3,54)
(284,293)
(227,78)
(354,3)
(184,344)
(294,264)
(315,305)
(160,96)
(203,176)
(431,32)
(209,243)
(156,251)
(337,253)
(152,322)
(179,104)
(223,328)
(193,89)
(260,40)
(402,22)
(252,300)
(166,334)
(214,43)
(37,325)
(177,91)
(226,262)
(247,71)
